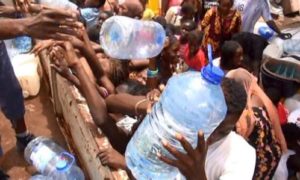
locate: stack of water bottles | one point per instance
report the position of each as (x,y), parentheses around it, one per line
(52,161)
(191,101)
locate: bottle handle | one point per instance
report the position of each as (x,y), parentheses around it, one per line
(209,53)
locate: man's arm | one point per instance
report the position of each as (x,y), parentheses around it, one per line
(7,11)
(11,28)
(266,14)
(48,24)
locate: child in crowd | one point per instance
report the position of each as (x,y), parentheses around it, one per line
(194,56)
(119,94)
(219,24)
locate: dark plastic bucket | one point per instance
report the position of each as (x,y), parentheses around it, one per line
(281,75)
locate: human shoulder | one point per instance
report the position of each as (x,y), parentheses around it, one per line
(241,160)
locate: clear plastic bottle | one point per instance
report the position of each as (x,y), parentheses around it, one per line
(126,38)
(38,177)
(65,4)
(23,44)
(191,101)
(51,160)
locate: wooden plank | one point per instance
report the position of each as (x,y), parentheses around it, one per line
(81,133)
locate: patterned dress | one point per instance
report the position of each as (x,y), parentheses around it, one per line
(218,29)
(268,151)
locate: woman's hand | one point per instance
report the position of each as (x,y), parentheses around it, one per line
(192,164)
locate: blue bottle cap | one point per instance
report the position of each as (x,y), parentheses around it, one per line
(65,160)
(211,73)
(61,164)
(266,32)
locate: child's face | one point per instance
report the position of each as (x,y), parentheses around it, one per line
(238,57)
(173,52)
(225,6)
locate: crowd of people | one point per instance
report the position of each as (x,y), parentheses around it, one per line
(249,143)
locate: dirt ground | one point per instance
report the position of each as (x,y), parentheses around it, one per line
(41,122)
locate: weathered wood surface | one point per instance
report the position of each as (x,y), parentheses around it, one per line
(82,135)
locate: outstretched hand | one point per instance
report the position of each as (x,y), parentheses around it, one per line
(192,164)
(52,24)
(22,5)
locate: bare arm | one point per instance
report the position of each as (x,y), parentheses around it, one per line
(7,11)
(127,104)
(152,82)
(95,64)
(96,103)
(48,24)
(11,28)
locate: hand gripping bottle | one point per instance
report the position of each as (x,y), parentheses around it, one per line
(191,101)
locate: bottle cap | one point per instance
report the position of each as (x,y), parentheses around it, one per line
(211,73)
(61,164)
(64,162)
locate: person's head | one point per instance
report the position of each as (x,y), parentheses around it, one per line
(93,3)
(291,133)
(93,30)
(169,57)
(274,94)
(161,20)
(103,15)
(236,99)
(187,11)
(133,87)
(194,41)
(116,70)
(186,27)
(170,52)
(231,55)
(225,6)
(293,164)
(131,8)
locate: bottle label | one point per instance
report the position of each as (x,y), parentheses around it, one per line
(41,156)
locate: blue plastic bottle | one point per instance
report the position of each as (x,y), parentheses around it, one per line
(126,38)
(266,32)
(191,101)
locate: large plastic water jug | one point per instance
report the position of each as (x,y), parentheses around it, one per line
(38,177)
(65,4)
(191,101)
(26,70)
(51,160)
(126,38)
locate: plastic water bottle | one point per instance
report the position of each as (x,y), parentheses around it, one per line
(191,101)
(65,4)
(265,32)
(38,177)
(51,160)
(126,38)
(23,44)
